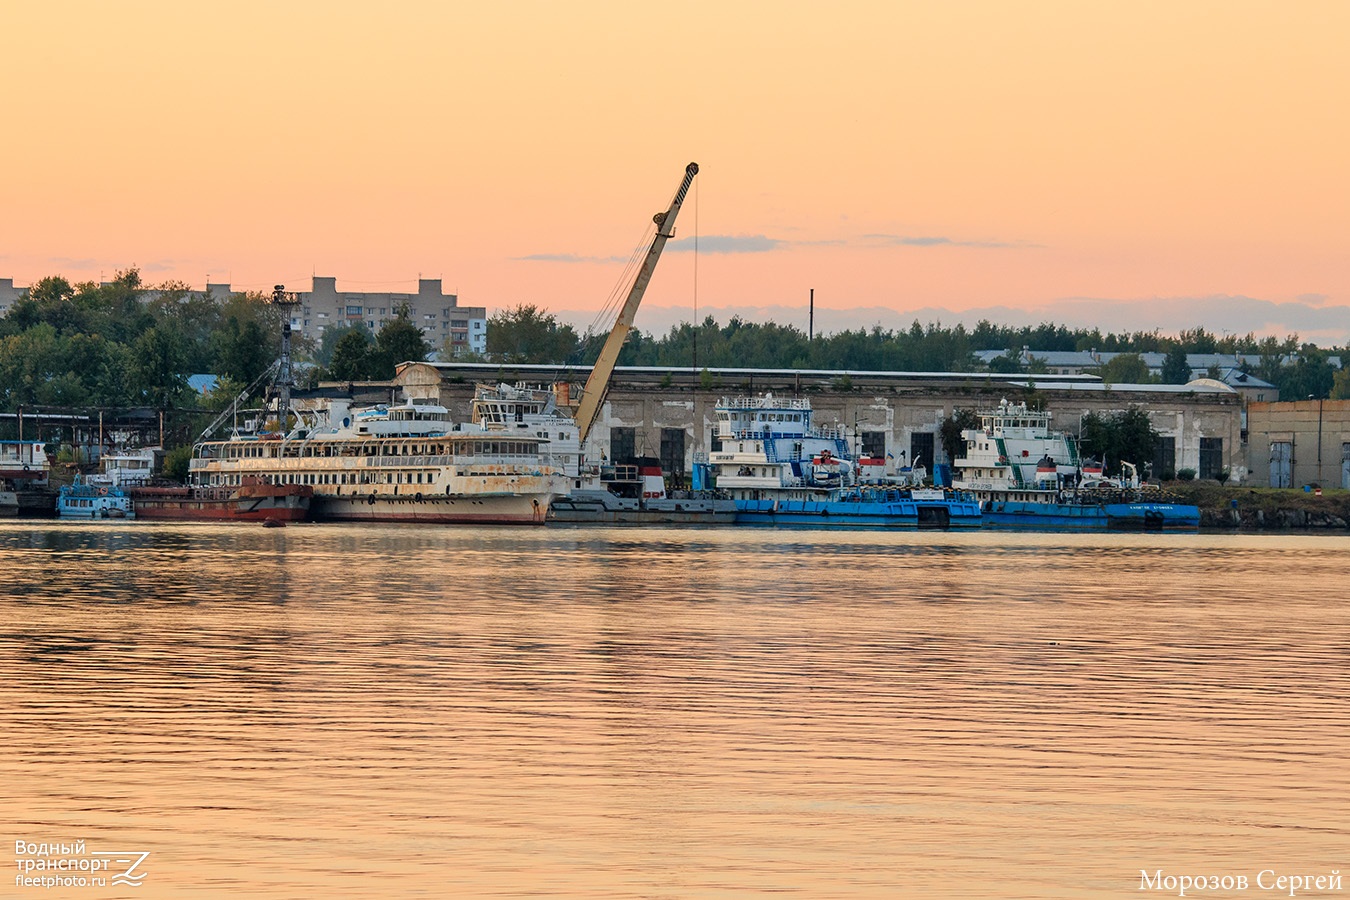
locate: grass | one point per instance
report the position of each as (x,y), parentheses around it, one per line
(1216,500)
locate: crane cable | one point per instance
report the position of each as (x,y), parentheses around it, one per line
(604,319)
(695,328)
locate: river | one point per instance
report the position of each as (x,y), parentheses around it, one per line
(391,711)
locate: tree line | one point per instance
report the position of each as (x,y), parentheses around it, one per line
(528,334)
(121,344)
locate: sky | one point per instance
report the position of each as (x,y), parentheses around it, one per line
(1131,166)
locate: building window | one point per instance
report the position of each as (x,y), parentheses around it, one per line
(1165,458)
(353,310)
(672,455)
(459,323)
(874,444)
(921,449)
(622,444)
(1211,457)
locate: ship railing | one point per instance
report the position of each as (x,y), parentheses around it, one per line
(764,403)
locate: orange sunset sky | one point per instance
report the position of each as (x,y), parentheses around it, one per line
(1128,165)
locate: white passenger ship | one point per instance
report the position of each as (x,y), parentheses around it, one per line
(395,463)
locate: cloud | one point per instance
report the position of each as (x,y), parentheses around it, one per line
(904,240)
(568,258)
(759,243)
(725,243)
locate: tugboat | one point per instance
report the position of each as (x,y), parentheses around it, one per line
(780,469)
(1027,476)
(82,500)
(634,493)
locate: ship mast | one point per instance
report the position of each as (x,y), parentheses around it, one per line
(598,382)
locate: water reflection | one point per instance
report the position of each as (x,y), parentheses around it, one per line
(388,711)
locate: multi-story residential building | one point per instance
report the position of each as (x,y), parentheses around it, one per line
(460,329)
(8,294)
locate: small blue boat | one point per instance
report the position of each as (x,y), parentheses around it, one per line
(93,501)
(918,508)
(1092,515)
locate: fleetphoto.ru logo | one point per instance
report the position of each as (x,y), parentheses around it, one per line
(58,864)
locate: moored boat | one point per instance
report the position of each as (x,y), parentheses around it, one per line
(82,500)
(25,486)
(1027,475)
(399,463)
(781,469)
(254,500)
(634,493)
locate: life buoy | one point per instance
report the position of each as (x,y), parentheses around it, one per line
(103,492)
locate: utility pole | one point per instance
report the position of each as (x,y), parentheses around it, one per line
(811,318)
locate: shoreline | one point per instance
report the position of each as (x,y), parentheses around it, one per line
(1235,508)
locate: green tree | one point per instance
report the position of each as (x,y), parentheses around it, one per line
(1175,368)
(242,350)
(527,334)
(1126,435)
(352,356)
(1126,368)
(177,463)
(328,341)
(1309,374)
(158,357)
(953,444)
(398,341)
(1340,384)
(1136,440)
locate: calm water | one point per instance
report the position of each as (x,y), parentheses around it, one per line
(402,712)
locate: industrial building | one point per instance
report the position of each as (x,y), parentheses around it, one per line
(1304,442)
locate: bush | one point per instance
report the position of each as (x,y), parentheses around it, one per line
(176,463)
(1222,477)
(1186,474)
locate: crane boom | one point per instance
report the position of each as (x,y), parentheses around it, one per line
(598,382)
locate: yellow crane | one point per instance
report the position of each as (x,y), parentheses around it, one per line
(598,382)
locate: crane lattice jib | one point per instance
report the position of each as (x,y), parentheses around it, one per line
(598,382)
